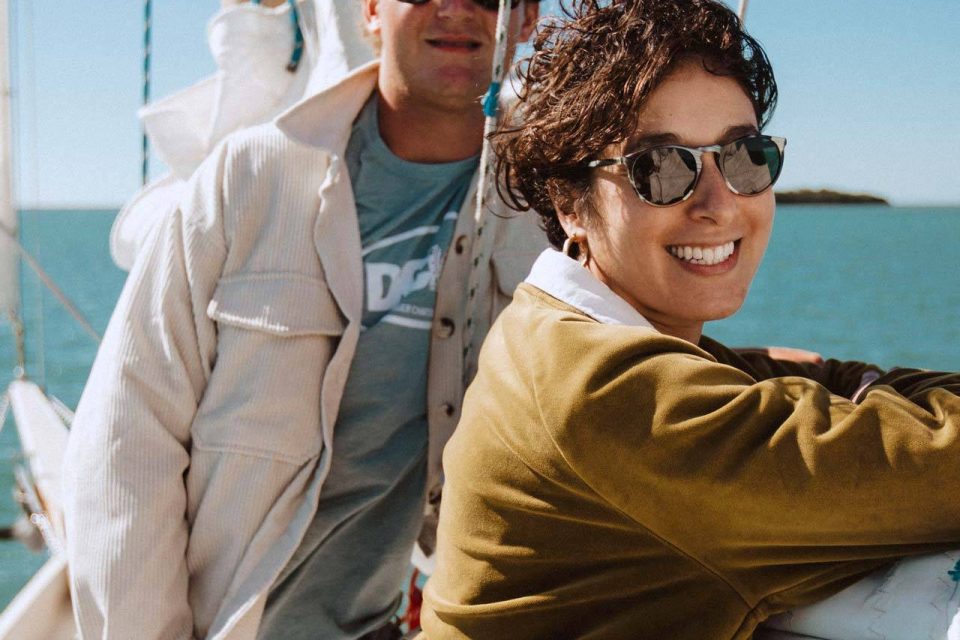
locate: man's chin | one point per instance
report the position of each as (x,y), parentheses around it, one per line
(453,92)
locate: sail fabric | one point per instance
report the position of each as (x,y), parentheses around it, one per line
(251,45)
(9,255)
(914,598)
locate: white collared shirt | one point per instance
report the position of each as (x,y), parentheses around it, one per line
(568,281)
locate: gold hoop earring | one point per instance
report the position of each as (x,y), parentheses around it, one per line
(584,256)
(580,242)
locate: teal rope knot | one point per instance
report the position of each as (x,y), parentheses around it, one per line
(491,99)
(955,572)
(297,38)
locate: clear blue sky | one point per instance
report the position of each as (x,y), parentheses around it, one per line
(869,93)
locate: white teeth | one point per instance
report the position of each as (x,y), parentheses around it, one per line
(703,255)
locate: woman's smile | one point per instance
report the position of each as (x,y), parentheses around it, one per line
(706,258)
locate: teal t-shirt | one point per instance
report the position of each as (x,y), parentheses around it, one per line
(343,580)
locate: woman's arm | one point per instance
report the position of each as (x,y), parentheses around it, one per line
(779,486)
(843,378)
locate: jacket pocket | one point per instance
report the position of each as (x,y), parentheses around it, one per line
(276,333)
(284,304)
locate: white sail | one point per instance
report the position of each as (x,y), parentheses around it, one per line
(251,46)
(9,256)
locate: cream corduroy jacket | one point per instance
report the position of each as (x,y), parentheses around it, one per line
(203,437)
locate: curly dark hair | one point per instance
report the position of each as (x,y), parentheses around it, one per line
(589,76)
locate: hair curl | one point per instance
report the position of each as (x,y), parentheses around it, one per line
(591,73)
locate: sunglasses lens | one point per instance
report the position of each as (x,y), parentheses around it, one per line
(751,165)
(494,5)
(489,5)
(664,175)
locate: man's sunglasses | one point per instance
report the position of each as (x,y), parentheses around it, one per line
(668,174)
(489,5)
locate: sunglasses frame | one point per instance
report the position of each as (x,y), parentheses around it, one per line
(495,4)
(697,152)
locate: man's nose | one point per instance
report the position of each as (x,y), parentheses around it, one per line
(451,8)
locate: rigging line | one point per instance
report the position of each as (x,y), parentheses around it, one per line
(40,327)
(61,409)
(144,142)
(19,336)
(51,285)
(484,184)
(25,95)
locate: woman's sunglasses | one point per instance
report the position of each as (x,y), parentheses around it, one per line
(668,174)
(489,5)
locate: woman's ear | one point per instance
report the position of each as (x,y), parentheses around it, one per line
(570,223)
(371,17)
(568,213)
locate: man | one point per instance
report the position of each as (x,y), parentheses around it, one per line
(311,283)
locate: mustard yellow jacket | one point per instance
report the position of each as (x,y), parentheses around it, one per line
(607,481)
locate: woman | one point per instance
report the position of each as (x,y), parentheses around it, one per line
(615,473)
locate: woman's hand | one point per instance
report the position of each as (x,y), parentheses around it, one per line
(790,354)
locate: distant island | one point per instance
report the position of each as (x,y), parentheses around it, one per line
(826,196)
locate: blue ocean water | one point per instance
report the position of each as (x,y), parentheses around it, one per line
(72,247)
(854,282)
(860,282)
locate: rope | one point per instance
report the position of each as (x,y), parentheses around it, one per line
(62,410)
(51,285)
(414,603)
(478,251)
(297,52)
(40,336)
(144,142)
(38,512)
(297,38)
